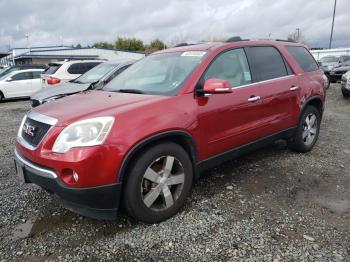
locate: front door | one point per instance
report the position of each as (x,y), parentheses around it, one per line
(229,120)
(19,85)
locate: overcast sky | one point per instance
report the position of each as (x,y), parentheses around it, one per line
(87,21)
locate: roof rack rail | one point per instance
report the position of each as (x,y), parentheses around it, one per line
(181,44)
(286,40)
(235,39)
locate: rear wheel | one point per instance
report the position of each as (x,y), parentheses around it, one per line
(1,96)
(307,131)
(158,183)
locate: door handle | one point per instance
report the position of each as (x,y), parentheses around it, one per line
(254,98)
(293,88)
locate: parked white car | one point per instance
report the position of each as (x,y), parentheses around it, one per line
(20,83)
(345,84)
(61,72)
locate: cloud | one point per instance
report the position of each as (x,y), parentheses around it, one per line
(88,21)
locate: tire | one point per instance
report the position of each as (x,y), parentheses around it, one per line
(144,192)
(345,93)
(1,96)
(307,131)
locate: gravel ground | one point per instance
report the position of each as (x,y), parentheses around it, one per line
(272,205)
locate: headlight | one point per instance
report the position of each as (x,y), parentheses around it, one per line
(89,132)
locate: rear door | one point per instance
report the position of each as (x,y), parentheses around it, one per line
(36,82)
(278,89)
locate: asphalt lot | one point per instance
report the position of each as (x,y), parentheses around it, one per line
(273,204)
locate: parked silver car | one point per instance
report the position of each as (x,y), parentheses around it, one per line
(95,78)
(345,84)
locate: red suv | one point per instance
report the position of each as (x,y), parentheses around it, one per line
(145,138)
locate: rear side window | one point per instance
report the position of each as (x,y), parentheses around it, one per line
(266,63)
(303,57)
(36,74)
(52,69)
(81,68)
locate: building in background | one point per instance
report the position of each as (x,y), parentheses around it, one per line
(318,54)
(49,54)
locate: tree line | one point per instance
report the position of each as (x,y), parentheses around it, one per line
(132,44)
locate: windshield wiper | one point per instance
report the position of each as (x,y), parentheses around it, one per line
(134,91)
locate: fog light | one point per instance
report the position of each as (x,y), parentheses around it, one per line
(69,176)
(75,176)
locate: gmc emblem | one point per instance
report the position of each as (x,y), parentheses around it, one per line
(28,129)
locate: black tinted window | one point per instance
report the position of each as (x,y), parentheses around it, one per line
(303,57)
(266,63)
(81,68)
(22,76)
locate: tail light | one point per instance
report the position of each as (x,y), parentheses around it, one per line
(53,81)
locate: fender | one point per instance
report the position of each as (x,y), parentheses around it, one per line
(136,148)
(308,101)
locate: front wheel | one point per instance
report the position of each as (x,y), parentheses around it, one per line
(307,131)
(158,183)
(345,93)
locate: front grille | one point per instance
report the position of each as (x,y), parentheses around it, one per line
(37,130)
(340,72)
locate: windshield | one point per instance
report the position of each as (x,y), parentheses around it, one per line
(5,74)
(157,74)
(329,59)
(8,70)
(95,74)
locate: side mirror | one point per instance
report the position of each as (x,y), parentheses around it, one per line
(9,79)
(217,86)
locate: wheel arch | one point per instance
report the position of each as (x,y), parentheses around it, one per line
(315,101)
(182,138)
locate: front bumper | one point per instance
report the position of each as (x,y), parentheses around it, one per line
(99,202)
(335,77)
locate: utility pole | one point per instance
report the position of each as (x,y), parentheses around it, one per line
(331,38)
(298,35)
(27,37)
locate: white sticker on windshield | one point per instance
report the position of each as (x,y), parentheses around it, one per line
(193,53)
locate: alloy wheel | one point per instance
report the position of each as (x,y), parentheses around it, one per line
(310,129)
(162,183)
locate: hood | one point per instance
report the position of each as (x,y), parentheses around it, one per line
(92,104)
(330,63)
(342,68)
(58,90)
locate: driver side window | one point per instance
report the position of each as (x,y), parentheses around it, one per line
(22,76)
(232,66)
